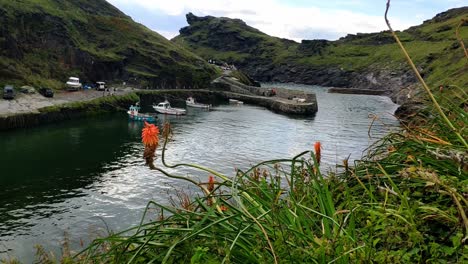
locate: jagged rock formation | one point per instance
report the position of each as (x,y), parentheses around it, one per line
(365,61)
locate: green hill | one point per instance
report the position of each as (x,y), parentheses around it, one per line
(362,61)
(43,42)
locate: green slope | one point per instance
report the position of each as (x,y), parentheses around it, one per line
(363,60)
(45,41)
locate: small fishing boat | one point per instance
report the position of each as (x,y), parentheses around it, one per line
(234,101)
(134,114)
(165,108)
(191,102)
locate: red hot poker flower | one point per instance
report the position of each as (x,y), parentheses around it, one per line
(150,135)
(318,151)
(150,138)
(211,182)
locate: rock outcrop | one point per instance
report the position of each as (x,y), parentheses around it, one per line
(363,61)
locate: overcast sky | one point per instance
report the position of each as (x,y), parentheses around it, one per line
(292,19)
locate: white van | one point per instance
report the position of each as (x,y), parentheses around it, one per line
(100,86)
(73,84)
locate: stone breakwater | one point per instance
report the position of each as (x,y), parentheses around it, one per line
(280,100)
(357,91)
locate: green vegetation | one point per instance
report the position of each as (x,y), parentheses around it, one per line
(242,77)
(95,106)
(44,42)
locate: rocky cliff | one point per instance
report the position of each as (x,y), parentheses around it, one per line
(366,61)
(44,42)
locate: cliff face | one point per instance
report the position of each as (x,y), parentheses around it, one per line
(44,42)
(369,61)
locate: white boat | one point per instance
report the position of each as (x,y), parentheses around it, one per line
(191,102)
(73,84)
(235,101)
(134,114)
(165,108)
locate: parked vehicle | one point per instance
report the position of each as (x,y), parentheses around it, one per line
(73,84)
(46,92)
(100,86)
(8,92)
(27,90)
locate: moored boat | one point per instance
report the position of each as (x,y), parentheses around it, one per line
(165,108)
(235,101)
(134,114)
(191,102)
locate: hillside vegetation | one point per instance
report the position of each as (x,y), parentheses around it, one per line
(363,60)
(43,42)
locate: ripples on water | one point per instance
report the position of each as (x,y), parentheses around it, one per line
(83,176)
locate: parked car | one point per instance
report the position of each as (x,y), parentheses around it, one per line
(47,92)
(27,89)
(100,86)
(8,92)
(73,84)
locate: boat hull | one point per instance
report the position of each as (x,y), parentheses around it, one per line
(234,101)
(171,111)
(141,117)
(197,105)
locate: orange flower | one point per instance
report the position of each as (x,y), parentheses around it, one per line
(318,151)
(150,135)
(150,138)
(211,182)
(223,208)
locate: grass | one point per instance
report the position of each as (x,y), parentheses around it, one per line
(95,106)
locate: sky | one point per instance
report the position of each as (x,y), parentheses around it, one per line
(291,19)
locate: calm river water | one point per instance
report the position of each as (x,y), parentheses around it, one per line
(78,178)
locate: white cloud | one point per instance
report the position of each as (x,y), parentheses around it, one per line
(274,18)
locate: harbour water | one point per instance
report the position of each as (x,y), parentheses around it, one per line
(81,178)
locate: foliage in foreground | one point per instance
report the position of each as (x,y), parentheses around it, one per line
(408,206)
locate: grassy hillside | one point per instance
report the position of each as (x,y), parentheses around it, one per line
(45,41)
(362,60)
